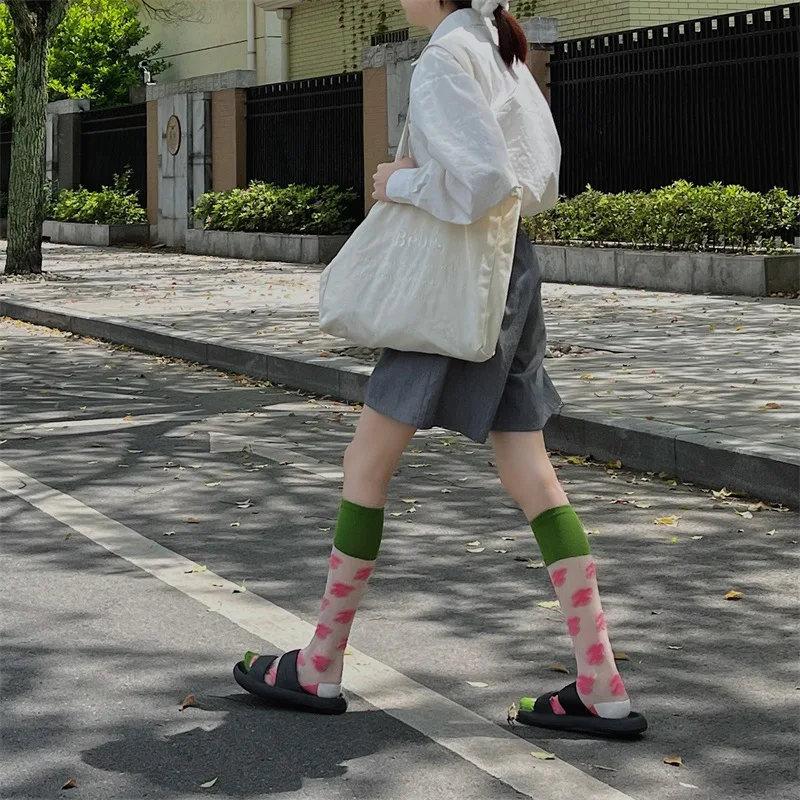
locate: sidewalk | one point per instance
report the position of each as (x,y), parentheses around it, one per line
(703,388)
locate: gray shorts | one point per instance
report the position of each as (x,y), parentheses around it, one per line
(510,392)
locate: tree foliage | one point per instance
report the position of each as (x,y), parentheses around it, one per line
(94,53)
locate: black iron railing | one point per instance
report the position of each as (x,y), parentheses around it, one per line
(113,140)
(307,132)
(713,99)
(6,124)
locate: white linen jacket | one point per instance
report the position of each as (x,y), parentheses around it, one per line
(477,132)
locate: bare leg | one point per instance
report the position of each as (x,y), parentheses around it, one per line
(369,463)
(528,476)
(526,472)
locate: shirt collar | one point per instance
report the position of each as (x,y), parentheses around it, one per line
(463,18)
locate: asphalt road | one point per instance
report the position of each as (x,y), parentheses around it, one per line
(120,473)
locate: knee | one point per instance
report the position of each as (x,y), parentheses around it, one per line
(363,466)
(524,485)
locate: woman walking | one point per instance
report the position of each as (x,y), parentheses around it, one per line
(480,129)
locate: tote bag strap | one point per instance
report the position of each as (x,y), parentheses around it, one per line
(403,148)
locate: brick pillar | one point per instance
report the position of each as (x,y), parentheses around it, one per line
(153,139)
(376,127)
(228,139)
(539,65)
(542,33)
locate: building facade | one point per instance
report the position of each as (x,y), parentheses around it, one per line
(325,37)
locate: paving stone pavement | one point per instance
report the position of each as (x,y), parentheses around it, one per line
(715,365)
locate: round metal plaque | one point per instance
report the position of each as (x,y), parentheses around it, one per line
(173,135)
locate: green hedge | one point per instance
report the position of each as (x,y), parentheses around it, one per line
(113,205)
(266,208)
(677,217)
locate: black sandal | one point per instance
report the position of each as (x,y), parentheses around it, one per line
(287,690)
(578,718)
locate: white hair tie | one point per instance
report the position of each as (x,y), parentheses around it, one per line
(486,8)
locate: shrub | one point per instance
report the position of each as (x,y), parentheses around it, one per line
(266,208)
(112,205)
(676,217)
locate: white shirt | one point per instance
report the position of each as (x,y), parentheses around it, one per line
(477,134)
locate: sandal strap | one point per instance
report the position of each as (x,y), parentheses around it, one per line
(286,677)
(259,670)
(570,701)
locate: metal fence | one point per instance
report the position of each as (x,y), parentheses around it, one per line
(713,99)
(6,124)
(308,132)
(113,139)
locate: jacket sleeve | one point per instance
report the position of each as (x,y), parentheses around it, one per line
(469,171)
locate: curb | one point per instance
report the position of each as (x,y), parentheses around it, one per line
(770,473)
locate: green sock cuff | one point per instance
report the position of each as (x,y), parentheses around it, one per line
(560,534)
(359,531)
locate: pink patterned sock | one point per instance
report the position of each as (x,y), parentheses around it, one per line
(320,664)
(599,684)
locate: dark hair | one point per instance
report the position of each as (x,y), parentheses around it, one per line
(513,42)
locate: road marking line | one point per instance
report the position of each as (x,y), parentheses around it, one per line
(484,744)
(229,443)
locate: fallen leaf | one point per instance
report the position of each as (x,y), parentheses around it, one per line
(501,551)
(605,769)
(135,451)
(614,464)
(671,521)
(674,761)
(475,549)
(67,535)
(620,656)
(192,520)
(509,538)
(769,407)
(556,667)
(549,604)
(721,494)
(348,651)
(168,533)
(674,647)
(688,785)
(418,466)
(70,784)
(447,491)
(756,507)
(771,533)
(595,532)
(215,483)
(511,714)
(644,505)
(235,524)
(543,756)
(412,502)
(196,568)
(188,701)
(324,530)
(580,461)
(534,565)
(478,684)
(208,784)
(476,543)
(674,540)
(396,513)
(244,504)
(587,376)
(127,418)
(696,538)
(734,595)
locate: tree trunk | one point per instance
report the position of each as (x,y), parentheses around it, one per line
(35,22)
(26,181)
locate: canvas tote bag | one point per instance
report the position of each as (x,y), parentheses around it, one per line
(408,281)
